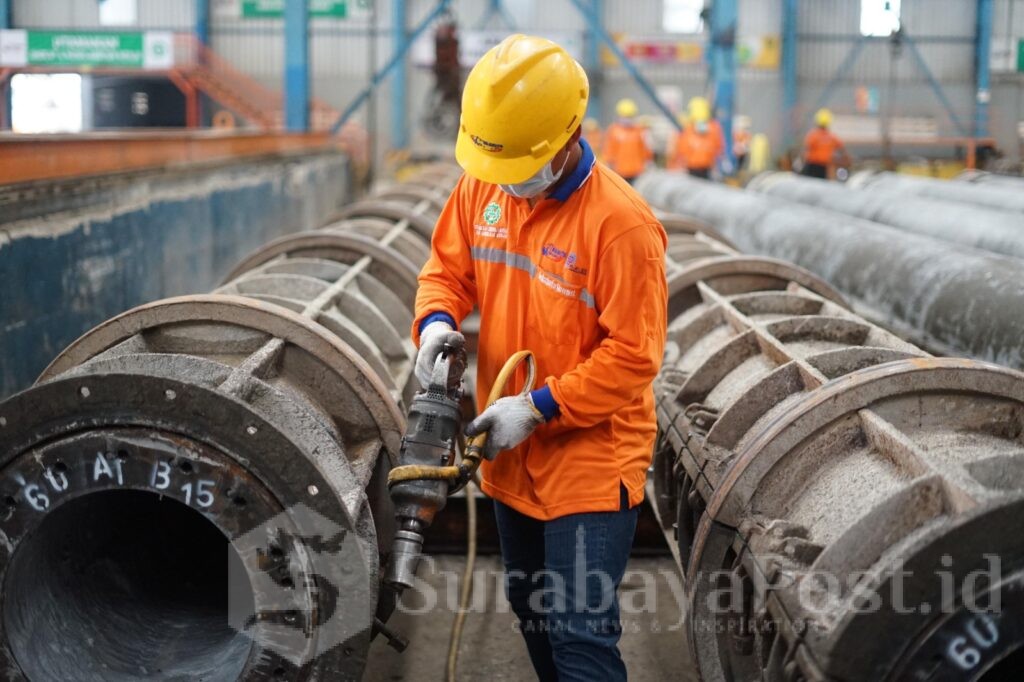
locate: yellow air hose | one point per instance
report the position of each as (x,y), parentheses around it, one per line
(460,474)
(475,448)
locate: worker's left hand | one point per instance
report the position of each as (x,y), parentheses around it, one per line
(507,422)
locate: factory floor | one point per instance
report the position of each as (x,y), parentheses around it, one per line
(651,645)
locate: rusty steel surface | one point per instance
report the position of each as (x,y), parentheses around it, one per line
(29,158)
(257,423)
(951,300)
(987,229)
(809,462)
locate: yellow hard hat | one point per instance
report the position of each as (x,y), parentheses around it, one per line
(700,110)
(626,108)
(522,102)
(823,118)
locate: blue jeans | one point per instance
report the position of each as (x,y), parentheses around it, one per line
(561,578)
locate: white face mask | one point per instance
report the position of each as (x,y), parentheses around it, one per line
(536,185)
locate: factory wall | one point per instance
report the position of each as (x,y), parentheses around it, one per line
(84,14)
(341,54)
(121,242)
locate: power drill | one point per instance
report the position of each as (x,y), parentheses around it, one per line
(429,444)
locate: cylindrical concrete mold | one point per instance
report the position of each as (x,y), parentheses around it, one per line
(986,229)
(988,195)
(956,301)
(196,489)
(1011,182)
(813,468)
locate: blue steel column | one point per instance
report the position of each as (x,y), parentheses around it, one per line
(5,98)
(789,72)
(724,15)
(296,65)
(400,82)
(202,32)
(982,59)
(592,60)
(202,21)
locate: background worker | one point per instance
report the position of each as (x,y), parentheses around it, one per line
(821,146)
(701,143)
(592,133)
(741,141)
(561,257)
(625,149)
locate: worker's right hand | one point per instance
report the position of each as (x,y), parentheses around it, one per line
(432,340)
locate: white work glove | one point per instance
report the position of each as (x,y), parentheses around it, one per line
(432,340)
(507,422)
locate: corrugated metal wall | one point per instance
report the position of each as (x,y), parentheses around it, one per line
(176,15)
(943,29)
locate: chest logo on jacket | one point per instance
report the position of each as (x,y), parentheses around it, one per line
(491,215)
(558,255)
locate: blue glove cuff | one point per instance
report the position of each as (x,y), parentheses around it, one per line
(438,317)
(544,402)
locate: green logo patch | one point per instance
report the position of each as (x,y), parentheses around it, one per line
(492,213)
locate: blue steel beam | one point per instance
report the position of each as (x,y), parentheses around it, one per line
(396,58)
(790,84)
(400,84)
(936,87)
(982,67)
(592,59)
(497,7)
(296,68)
(203,21)
(598,30)
(837,77)
(5,13)
(724,17)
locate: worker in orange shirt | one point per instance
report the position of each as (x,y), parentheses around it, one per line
(741,141)
(625,147)
(701,143)
(564,258)
(821,146)
(592,133)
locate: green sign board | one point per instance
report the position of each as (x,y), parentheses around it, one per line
(46,48)
(1020,56)
(274,9)
(129,50)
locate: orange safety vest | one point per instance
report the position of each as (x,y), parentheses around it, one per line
(820,147)
(579,280)
(698,151)
(625,149)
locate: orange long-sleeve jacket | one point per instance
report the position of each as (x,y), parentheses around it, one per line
(696,150)
(579,279)
(625,149)
(820,146)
